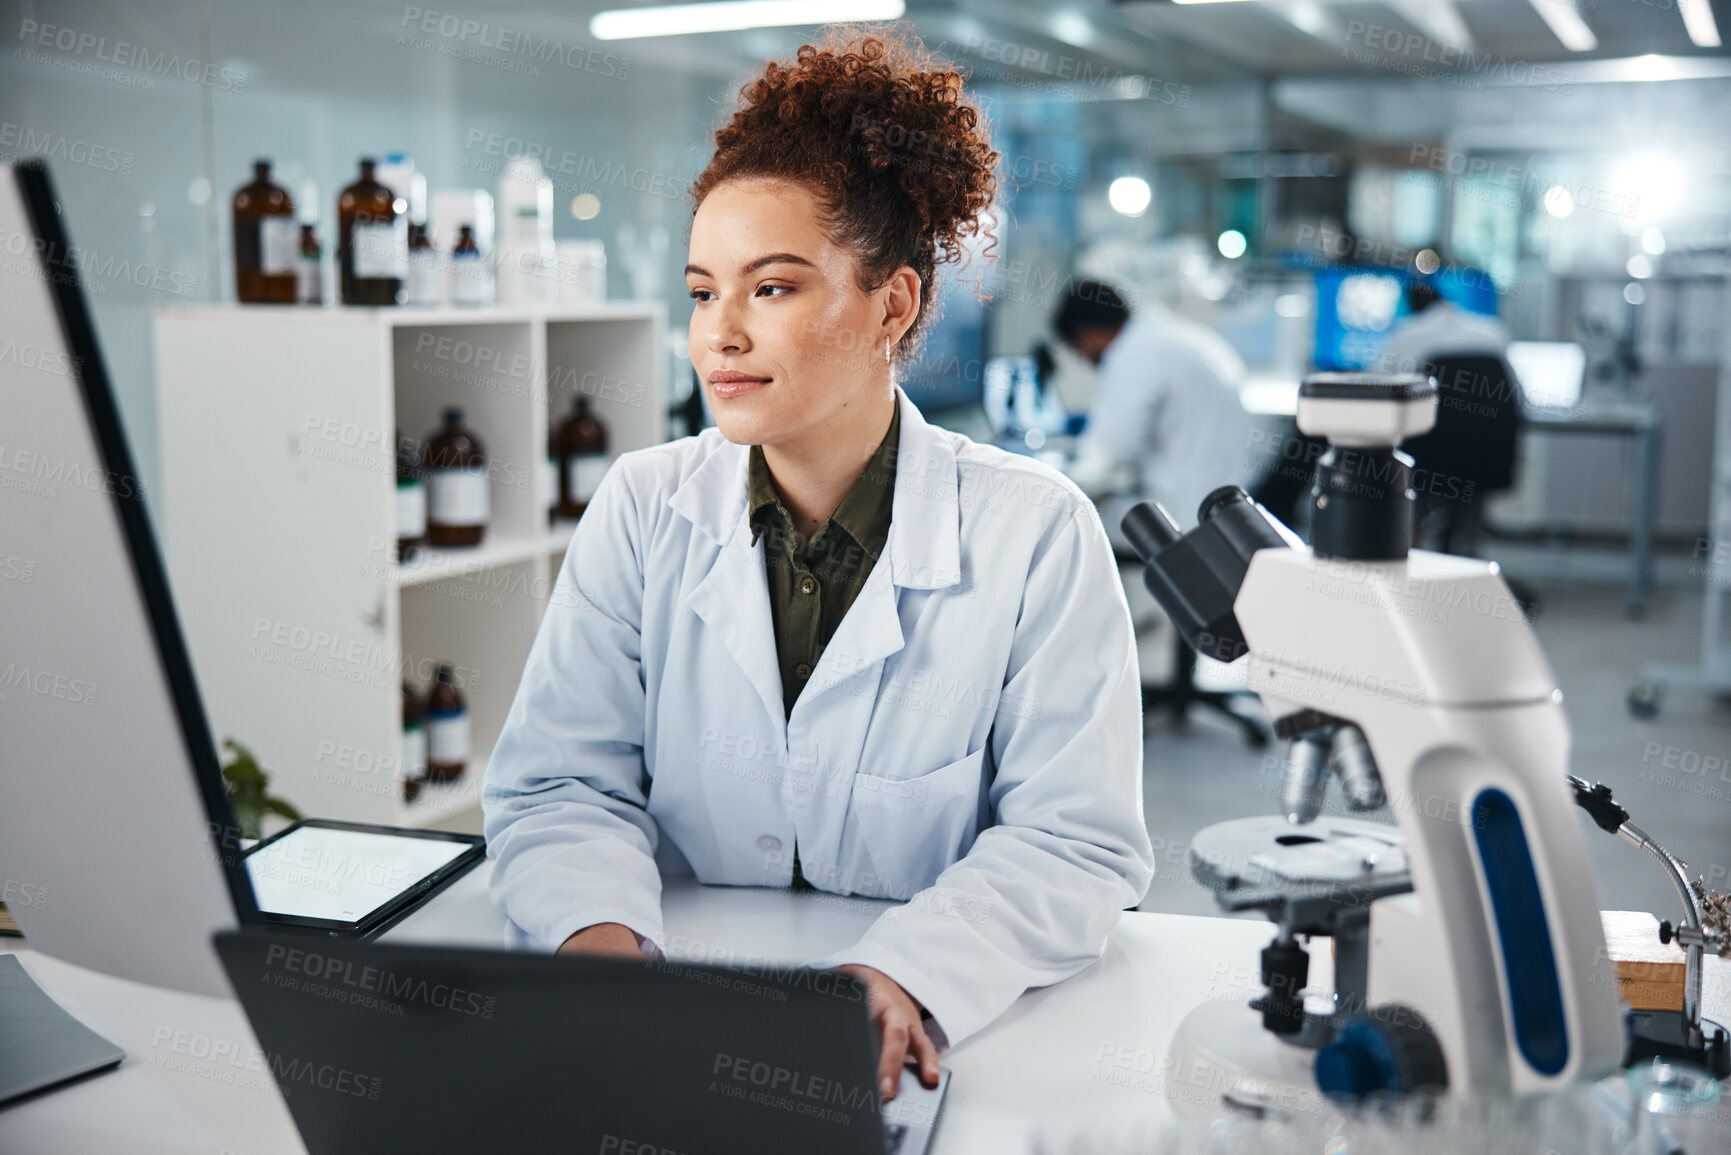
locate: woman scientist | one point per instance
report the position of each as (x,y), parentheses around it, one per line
(828,644)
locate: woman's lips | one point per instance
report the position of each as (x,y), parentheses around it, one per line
(728,383)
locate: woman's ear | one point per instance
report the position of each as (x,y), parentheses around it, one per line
(901,303)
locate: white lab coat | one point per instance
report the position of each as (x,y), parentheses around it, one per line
(1444,328)
(970,741)
(1166,420)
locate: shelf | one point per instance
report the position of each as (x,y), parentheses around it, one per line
(280,517)
(432,565)
(409,315)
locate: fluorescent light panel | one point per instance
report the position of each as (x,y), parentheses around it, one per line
(1566,23)
(1699,23)
(735,16)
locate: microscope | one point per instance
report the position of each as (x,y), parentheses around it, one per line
(1468,956)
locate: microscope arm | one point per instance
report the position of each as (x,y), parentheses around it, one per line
(1596,800)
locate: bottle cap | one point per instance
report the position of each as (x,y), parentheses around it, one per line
(444,673)
(453,416)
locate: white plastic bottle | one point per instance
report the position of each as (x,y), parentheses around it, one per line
(524,242)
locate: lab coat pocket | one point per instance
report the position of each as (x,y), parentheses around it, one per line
(912,828)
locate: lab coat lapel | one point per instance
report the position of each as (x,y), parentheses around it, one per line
(922,552)
(733,597)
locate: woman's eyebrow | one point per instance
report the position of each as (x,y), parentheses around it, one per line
(771,259)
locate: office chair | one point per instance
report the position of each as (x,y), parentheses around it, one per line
(1470,453)
(1181,693)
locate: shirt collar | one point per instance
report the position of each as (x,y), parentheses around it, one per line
(864,514)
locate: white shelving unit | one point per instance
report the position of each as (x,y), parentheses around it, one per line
(277,429)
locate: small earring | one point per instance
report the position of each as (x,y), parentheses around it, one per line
(886,350)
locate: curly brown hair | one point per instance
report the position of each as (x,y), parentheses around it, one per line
(878,128)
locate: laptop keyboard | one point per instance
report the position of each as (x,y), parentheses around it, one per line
(894,1133)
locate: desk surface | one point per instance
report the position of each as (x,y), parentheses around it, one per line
(187,1084)
(192,1081)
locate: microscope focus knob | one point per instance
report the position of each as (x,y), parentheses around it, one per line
(1391,1049)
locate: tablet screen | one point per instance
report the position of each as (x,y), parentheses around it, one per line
(343,875)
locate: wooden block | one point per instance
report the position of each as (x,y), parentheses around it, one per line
(1649,972)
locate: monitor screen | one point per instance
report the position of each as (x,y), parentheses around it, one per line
(114,808)
(1550,372)
(1358,308)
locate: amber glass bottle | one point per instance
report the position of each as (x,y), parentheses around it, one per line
(266,241)
(457,498)
(447,728)
(414,743)
(582,445)
(411,498)
(471,272)
(372,242)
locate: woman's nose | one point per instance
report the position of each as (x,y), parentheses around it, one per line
(727,332)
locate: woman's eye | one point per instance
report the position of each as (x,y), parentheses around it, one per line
(698,294)
(765,289)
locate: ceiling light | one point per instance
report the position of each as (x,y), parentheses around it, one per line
(1558,202)
(1698,22)
(1639,266)
(1654,182)
(1653,241)
(1232,244)
(735,16)
(1072,27)
(1566,24)
(1130,195)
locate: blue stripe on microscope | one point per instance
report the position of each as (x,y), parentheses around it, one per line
(1530,965)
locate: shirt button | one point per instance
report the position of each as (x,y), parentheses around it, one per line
(769,844)
(807,586)
(802,671)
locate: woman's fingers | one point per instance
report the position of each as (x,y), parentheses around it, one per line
(926,1052)
(894,1052)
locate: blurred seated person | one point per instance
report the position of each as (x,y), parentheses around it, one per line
(1166,423)
(1437,326)
(1471,452)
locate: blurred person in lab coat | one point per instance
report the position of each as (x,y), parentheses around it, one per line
(1166,422)
(1435,327)
(1472,448)
(826,644)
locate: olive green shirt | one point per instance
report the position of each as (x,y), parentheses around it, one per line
(810,590)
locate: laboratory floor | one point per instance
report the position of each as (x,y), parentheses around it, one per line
(1663,770)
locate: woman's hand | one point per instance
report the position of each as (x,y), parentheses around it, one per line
(607,939)
(898,1015)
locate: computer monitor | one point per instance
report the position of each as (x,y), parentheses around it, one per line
(1359,307)
(117,845)
(1550,372)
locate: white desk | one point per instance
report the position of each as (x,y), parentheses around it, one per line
(185,1085)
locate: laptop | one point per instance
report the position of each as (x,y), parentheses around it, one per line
(381,1047)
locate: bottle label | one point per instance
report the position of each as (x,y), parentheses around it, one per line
(411,511)
(459,497)
(307,288)
(448,737)
(381,250)
(415,753)
(425,286)
(550,481)
(585,472)
(471,280)
(279,245)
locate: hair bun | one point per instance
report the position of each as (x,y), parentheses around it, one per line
(880,128)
